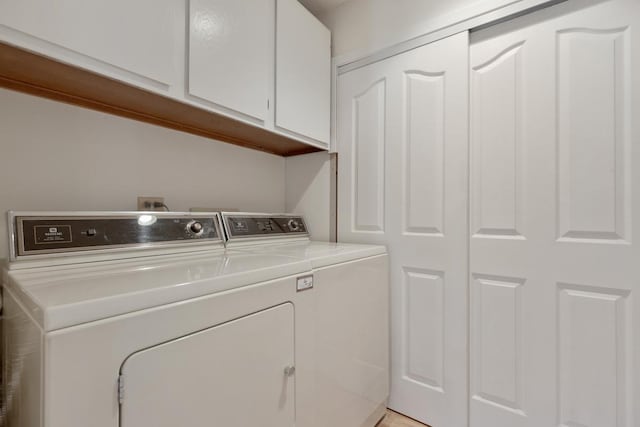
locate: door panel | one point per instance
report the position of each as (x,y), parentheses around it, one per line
(497,123)
(134,36)
(368,159)
(303,72)
(402,142)
(424,174)
(592,141)
(230,53)
(498,347)
(230,375)
(588,318)
(554,260)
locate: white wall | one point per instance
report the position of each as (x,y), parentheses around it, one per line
(362,27)
(55,156)
(308,192)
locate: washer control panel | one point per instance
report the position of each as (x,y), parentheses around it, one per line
(241,225)
(49,234)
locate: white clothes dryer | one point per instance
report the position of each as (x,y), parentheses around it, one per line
(350,290)
(130,319)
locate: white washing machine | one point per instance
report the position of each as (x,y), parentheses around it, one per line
(350,290)
(140,320)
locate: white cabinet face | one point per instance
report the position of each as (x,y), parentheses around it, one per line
(136,36)
(402,146)
(303,72)
(231,54)
(232,375)
(554,258)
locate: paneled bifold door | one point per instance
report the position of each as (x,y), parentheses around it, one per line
(402,141)
(549,256)
(555,190)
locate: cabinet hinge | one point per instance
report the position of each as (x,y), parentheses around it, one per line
(120,389)
(268,104)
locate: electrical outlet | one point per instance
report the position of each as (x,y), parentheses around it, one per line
(150,203)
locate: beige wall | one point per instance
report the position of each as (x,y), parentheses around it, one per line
(55,156)
(361,27)
(308,192)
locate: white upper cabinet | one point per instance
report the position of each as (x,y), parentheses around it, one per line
(231,54)
(260,68)
(120,38)
(303,73)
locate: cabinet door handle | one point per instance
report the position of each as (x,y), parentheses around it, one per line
(289,371)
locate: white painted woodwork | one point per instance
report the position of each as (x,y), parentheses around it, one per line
(303,72)
(592,140)
(402,146)
(424,334)
(362,136)
(553,257)
(592,325)
(425,152)
(230,53)
(496,201)
(497,346)
(368,153)
(135,36)
(179,382)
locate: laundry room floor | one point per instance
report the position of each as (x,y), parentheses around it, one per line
(394,419)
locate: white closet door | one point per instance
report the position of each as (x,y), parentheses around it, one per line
(555,262)
(402,144)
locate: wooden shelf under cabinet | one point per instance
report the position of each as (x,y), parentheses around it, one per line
(34,74)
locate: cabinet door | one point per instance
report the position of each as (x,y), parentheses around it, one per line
(555,205)
(403,147)
(303,72)
(231,375)
(231,54)
(136,36)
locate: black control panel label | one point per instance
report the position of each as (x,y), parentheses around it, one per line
(247,226)
(51,234)
(239,226)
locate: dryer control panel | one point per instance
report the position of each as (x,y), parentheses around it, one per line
(248,225)
(50,233)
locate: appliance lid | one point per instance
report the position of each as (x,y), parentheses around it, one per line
(59,297)
(319,254)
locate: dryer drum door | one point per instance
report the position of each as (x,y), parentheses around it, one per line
(231,375)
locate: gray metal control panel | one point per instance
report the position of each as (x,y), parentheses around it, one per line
(251,225)
(67,232)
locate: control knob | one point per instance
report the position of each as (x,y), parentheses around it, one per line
(195,227)
(293,225)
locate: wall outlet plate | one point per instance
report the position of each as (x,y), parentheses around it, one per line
(148,203)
